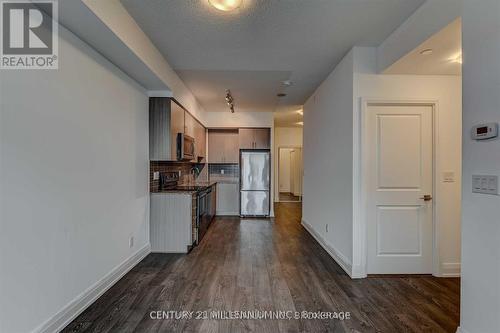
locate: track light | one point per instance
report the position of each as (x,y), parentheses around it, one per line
(230,100)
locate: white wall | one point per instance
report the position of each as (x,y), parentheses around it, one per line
(447,92)
(238,119)
(332,156)
(115,16)
(328,162)
(74,181)
(480,301)
(285,137)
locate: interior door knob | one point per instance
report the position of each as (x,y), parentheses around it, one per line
(427,197)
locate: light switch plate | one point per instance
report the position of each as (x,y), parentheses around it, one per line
(449,177)
(156,175)
(485,184)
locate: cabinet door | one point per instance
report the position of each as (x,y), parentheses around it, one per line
(189,125)
(200,141)
(231,148)
(215,147)
(262,138)
(159,129)
(246,138)
(213,202)
(228,199)
(176,126)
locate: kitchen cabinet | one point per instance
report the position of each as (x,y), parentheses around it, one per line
(171,223)
(200,138)
(254,138)
(189,125)
(223,146)
(177,126)
(213,201)
(262,137)
(228,199)
(159,129)
(166,120)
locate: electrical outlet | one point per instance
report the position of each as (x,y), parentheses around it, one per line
(221,171)
(326,227)
(131,242)
(156,175)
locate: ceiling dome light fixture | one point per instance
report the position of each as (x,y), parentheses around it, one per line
(225,5)
(457,58)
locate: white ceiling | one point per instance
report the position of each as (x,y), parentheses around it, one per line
(264,42)
(446,46)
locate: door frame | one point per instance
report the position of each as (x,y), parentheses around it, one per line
(277,184)
(360,221)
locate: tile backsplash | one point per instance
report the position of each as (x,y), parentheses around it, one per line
(224,172)
(183,167)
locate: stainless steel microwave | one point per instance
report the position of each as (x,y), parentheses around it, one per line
(185,147)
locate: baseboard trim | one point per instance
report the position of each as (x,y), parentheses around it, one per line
(69,312)
(227,214)
(450,269)
(461,330)
(339,258)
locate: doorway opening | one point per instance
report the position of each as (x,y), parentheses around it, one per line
(290,174)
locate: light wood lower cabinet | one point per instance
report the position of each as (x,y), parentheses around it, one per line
(228,199)
(171,222)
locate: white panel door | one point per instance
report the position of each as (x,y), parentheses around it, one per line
(398,167)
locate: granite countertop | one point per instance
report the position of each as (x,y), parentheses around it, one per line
(189,188)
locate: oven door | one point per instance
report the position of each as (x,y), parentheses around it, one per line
(203,211)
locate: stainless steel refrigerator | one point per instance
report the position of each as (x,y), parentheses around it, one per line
(255,182)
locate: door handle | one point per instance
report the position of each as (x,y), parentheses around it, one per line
(426,197)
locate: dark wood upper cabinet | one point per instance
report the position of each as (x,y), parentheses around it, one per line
(177,126)
(200,138)
(254,138)
(167,118)
(189,124)
(161,143)
(262,138)
(223,146)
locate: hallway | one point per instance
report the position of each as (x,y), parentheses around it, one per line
(251,264)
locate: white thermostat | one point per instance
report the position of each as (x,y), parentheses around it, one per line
(485,131)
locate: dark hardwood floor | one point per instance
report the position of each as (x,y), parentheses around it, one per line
(251,264)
